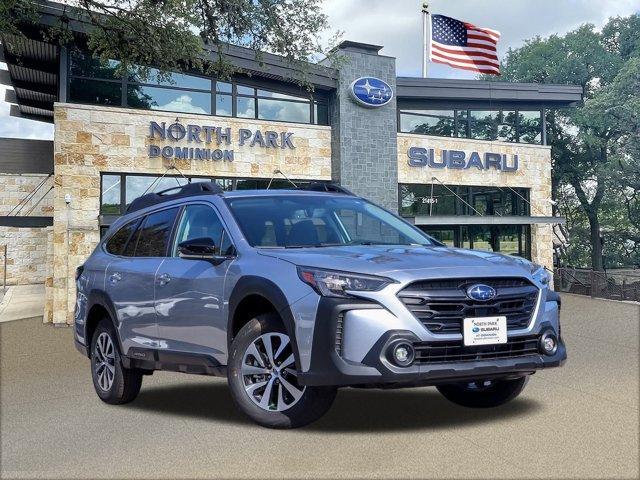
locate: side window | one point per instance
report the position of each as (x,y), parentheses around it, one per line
(154,234)
(226,247)
(199,221)
(117,242)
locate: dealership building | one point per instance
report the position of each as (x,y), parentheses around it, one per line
(466,161)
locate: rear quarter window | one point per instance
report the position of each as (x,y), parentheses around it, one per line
(116,243)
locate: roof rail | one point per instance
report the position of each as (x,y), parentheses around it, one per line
(326,187)
(188,190)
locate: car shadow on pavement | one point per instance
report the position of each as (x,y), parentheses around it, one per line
(354,410)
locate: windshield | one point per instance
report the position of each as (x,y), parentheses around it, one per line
(295,221)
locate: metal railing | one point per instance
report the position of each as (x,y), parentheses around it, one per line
(3,249)
(615,285)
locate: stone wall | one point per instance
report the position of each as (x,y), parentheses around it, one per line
(89,140)
(364,139)
(26,247)
(534,173)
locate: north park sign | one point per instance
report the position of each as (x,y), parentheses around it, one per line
(457,159)
(199,136)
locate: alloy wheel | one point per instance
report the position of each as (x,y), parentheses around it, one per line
(104,361)
(269,373)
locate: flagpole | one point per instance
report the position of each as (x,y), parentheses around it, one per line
(426,37)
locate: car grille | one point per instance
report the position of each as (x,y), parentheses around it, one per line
(455,351)
(442,304)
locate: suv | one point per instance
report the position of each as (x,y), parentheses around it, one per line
(291,294)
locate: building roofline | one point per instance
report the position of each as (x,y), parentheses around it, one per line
(413,88)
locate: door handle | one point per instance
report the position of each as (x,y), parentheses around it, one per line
(164,279)
(115,278)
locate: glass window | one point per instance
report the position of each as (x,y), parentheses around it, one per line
(246,107)
(484,125)
(226,247)
(224,105)
(157,98)
(267,93)
(529,127)
(110,201)
(199,221)
(154,234)
(462,119)
(506,121)
(295,221)
(242,90)
(321,113)
(224,87)
(95,92)
(152,75)
(283,111)
(428,122)
(83,64)
(117,242)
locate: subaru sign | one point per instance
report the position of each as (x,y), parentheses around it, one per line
(371,92)
(481,292)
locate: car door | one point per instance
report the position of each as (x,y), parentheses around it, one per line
(130,280)
(189,304)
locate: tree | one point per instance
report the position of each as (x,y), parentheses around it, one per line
(172,35)
(594,146)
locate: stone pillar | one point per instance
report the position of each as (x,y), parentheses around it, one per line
(363,140)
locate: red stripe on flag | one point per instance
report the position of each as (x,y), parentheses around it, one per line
(463,51)
(483,37)
(468,60)
(479,69)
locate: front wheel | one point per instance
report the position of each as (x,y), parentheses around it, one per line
(262,374)
(483,393)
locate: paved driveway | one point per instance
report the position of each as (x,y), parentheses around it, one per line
(580,421)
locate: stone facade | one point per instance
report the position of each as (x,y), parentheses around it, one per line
(26,247)
(89,140)
(364,139)
(534,173)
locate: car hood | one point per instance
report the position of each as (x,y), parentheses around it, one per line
(401,262)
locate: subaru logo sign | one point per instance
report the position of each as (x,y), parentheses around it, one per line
(371,92)
(481,292)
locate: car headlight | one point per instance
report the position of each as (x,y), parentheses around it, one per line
(330,283)
(540,274)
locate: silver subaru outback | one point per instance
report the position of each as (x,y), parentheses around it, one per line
(291,294)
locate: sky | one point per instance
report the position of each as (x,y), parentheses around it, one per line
(397,25)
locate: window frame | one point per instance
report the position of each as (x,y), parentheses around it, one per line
(180,216)
(125,82)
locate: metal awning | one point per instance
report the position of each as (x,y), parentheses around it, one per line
(485,220)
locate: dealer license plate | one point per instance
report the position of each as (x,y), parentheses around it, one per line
(484,330)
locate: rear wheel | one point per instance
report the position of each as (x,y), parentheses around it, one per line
(483,393)
(263,379)
(113,383)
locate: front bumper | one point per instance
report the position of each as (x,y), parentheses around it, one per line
(335,363)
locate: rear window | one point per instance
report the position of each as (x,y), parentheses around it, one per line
(117,242)
(153,236)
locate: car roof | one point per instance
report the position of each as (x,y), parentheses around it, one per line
(280,193)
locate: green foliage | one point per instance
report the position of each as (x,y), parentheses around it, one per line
(595,147)
(172,35)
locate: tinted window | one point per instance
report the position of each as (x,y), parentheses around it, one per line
(110,201)
(199,221)
(119,239)
(95,92)
(157,98)
(155,232)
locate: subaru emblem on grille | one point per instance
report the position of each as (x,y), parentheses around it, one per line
(481,292)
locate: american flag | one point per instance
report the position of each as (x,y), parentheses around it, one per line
(463,45)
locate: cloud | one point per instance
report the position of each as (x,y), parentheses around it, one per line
(398,25)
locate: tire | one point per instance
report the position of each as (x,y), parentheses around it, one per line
(252,375)
(114,384)
(483,394)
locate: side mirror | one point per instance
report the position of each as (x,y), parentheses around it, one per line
(203,248)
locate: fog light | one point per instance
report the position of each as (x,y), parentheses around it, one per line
(403,354)
(548,343)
